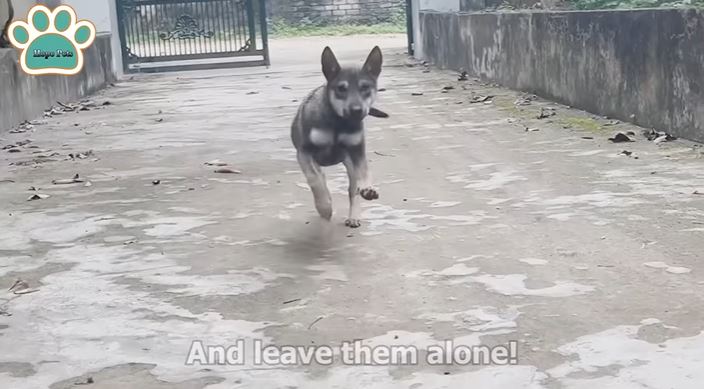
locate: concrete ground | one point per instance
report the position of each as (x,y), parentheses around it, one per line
(485,234)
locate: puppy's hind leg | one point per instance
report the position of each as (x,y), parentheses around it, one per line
(316,180)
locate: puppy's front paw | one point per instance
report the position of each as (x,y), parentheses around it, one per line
(369,194)
(353,223)
(324,210)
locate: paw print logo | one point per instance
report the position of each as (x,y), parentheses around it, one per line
(52,42)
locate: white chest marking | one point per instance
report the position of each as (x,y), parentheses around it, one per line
(321,137)
(352,139)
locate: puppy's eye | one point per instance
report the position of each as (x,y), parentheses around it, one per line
(365,87)
(342,88)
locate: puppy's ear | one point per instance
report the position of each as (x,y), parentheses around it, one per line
(331,68)
(373,63)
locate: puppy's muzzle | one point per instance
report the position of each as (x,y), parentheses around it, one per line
(356,112)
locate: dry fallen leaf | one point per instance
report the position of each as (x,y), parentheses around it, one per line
(38,196)
(480,99)
(620,138)
(19,285)
(227,171)
(22,287)
(88,381)
(546,113)
(75,180)
(84,155)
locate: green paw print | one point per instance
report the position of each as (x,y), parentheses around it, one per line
(52,42)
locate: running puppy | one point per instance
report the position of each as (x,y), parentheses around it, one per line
(329,130)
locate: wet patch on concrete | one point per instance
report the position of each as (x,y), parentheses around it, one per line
(17,369)
(133,375)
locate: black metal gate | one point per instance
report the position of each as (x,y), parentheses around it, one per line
(169,35)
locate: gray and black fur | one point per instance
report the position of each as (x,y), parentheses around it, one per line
(329,130)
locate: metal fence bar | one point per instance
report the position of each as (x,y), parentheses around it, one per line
(232,32)
(220,25)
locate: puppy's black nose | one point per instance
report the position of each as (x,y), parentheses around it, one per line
(356,112)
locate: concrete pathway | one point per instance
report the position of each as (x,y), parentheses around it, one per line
(580,262)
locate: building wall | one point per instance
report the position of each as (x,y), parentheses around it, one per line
(643,66)
(24,97)
(321,12)
(418,6)
(101,12)
(104,15)
(97,11)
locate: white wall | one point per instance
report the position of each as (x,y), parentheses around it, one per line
(428,5)
(104,15)
(97,11)
(440,5)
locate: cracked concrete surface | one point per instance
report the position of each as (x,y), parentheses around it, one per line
(485,233)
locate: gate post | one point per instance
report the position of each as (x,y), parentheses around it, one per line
(409,27)
(251,25)
(265,31)
(123,35)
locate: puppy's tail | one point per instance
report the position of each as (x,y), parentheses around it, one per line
(377,113)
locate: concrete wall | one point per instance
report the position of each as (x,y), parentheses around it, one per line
(418,6)
(23,97)
(103,13)
(321,12)
(647,63)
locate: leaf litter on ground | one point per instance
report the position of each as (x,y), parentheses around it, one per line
(620,137)
(75,180)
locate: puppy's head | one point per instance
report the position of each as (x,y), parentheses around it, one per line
(352,91)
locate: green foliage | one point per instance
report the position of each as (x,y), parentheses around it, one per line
(390,25)
(284,30)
